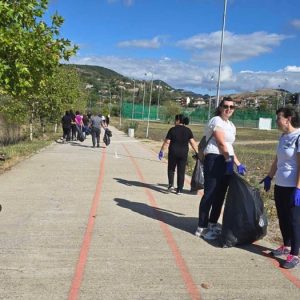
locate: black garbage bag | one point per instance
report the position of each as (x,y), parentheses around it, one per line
(197,182)
(107,136)
(80,135)
(244,219)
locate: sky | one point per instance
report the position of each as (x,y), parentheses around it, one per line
(178,41)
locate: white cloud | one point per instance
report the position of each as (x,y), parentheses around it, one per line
(237,47)
(153,43)
(190,76)
(296,23)
(292,69)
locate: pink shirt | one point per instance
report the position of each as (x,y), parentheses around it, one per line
(78,120)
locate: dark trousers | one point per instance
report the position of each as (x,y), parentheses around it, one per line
(177,160)
(288,216)
(96,135)
(73,131)
(215,188)
(66,133)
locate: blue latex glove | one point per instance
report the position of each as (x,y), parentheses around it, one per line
(229,167)
(241,169)
(160,155)
(296,197)
(267,183)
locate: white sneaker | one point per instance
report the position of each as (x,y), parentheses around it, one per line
(212,232)
(199,231)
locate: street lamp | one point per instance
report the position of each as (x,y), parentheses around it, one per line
(157,111)
(285,79)
(209,104)
(121,103)
(150,98)
(221,53)
(133,95)
(144,95)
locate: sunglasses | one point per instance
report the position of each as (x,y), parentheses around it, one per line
(228,106)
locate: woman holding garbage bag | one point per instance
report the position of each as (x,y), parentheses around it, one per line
(178,138)
(286,167)
(218,163)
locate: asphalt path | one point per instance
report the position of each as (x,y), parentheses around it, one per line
(97,223)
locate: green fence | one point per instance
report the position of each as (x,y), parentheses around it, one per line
(241,118)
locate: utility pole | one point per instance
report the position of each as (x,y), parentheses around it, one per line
(221,54)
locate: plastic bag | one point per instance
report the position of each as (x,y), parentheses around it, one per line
(244,219)
(197,182)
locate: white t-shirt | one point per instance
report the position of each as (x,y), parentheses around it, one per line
(286,174)
(218,124)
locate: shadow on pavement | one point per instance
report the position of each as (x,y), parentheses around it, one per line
(171,218)
(142,184)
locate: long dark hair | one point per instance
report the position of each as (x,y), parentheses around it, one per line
(290,112)
(218,109)
(182,119)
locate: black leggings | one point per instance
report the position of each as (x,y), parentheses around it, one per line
(288,216)
(177,160)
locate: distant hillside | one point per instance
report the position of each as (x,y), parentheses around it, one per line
(102,78)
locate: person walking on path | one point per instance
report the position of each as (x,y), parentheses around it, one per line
(73,126)
(219,159)
(178,138)
(66,125)
(286,167)
(96,124)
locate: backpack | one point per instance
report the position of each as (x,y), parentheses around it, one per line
(201,147)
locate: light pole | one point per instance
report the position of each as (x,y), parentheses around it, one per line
(121,103)
(221,54)
(157,111)
(144,95)
(150,98)
(133,95)
(109,101)
(209,104)
(285,92)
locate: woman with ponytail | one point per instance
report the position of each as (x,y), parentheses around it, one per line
(178,139)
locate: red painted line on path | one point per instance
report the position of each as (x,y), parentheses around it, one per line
(78,275)
(187,278)
(287,273)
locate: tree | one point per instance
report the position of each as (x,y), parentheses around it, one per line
(171,109)
(29,48)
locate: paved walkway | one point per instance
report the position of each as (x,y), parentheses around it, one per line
(84,223)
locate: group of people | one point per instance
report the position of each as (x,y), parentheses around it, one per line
(77,126)
(218,166)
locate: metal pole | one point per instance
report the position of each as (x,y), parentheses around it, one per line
(109,101)
(144,95)
(121,102)
(150,98)
(132,111)
(157,111)
(221,53)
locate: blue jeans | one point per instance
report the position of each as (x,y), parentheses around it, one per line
(215,187)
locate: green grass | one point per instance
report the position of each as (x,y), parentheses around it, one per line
(17,152)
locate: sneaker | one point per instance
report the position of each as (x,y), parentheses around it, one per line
(282,250)
(291,262)
(199,231)
(215,227)
(171,188)
(178,191)
(212,232)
